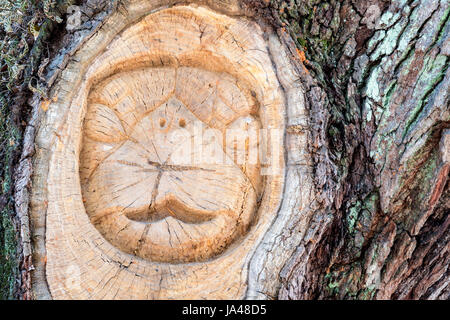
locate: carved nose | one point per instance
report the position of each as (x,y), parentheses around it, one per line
(155,164)
(168,205)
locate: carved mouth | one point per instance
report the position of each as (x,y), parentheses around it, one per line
(170,207)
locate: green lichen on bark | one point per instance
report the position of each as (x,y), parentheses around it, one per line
(10,138)
(8,255)
(23,30)
(432,75)
(307,23)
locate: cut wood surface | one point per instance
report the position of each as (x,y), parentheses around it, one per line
(140,163)
(127,202)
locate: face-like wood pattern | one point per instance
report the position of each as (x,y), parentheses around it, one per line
(157,176)
(160,160)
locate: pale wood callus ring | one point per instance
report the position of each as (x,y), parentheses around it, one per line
(139,192)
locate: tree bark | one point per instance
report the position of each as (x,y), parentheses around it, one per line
(363,211)
(376,81)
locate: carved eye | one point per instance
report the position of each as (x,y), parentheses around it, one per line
(162,122)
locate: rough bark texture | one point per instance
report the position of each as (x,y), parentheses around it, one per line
(376,82)
(24,28)
(376,79)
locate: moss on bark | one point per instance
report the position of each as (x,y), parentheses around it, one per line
(23,29)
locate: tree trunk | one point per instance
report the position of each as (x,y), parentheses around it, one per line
(347,197)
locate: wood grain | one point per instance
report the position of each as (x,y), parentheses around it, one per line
(149,188)
(121,218)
